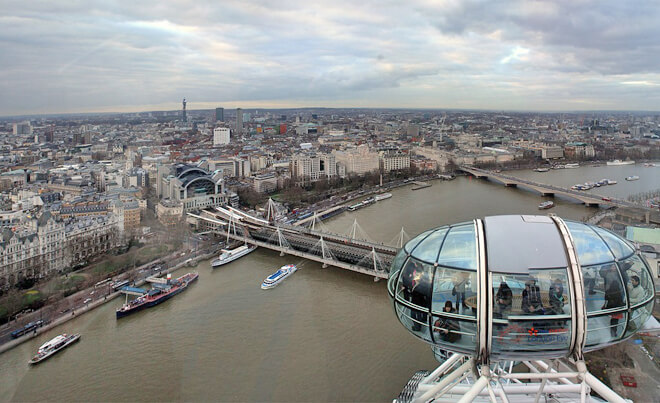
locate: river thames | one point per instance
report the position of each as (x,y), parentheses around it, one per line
(322,335)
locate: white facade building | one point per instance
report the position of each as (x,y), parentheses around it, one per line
(394,161)
(221,136)
(359,160)
(314,167)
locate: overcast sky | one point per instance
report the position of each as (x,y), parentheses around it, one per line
(81,56)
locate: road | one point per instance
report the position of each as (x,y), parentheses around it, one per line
(92,296)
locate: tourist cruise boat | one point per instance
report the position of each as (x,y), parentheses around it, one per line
(229,255)
(160,293)
(383,196)
(619,162)
(53,346)
(541,169)
(546,205)
(573,165)
(632,178)
(279,276)
(356,206)
(363,203)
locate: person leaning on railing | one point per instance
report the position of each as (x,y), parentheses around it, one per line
(447,328)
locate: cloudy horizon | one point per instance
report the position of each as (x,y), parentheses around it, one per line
(74,56)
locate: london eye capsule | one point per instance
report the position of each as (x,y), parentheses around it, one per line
(510,287)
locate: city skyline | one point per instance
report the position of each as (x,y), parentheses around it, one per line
(565,56)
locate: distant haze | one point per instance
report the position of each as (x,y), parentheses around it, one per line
(69,56)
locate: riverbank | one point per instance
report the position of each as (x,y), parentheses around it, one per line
(76,312)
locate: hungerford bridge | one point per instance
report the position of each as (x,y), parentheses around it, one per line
(589,199)
(353,251)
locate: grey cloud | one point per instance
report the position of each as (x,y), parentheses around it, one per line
(73,54)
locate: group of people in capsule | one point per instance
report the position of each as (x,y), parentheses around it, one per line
(516,300)
(532,300)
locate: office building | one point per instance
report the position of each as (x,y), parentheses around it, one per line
(219,114)
(221,136)
(239,121)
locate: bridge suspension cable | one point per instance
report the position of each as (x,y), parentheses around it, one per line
(401,238)
(372,260)
(356,232)
(317,221)
(321,248)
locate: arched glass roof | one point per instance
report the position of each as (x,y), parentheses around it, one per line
(452,246)
(596,245)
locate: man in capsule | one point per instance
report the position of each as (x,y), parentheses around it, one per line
(531,298)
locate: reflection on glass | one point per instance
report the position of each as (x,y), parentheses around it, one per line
(428,249)
(598,280)
(542,292)
(603,329)
(410,246)
(459,248)
(503,300)
(415,287)
(618,246)
(415,321)
(456,286)
(590,247)
(533,334)
(638,317)
(446,328)
(614,296)
(398,261)
(454,333)
(638,281)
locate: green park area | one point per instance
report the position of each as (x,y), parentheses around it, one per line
(133,258)
(61,286)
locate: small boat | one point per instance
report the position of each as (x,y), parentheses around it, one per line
(632,178)
(541,169)
(572,166)
(383,196)
(546,205)
(229,255)
(279,276)
(53,346)
(619,162)
(611,182)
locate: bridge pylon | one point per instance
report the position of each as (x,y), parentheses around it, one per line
(400,239)
(278,237)
(356,230)
(322,248)
(372,259)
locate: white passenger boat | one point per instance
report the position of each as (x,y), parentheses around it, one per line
(632,178)
(572,166)
(229,255)
(279,276)
(546,205)
(383,196)
(53,346)
(619,162)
